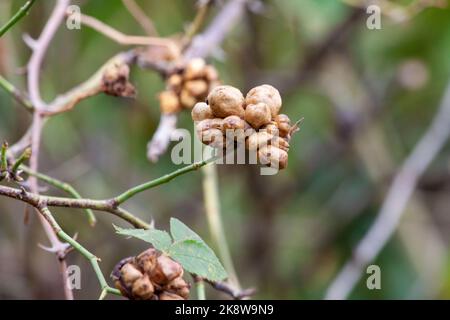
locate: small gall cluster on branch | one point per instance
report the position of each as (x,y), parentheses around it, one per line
(150,276)
(115,81)
(253,120)
(188,86)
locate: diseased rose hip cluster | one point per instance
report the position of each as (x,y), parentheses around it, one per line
(254,119)
(188,86)
(150,276)
(115,80)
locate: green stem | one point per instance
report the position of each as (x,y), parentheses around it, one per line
(109,205)
(16,94)
(132,219)
(19,15)
(200,285)
(107,290)
(212,206)
(4,161)
(23,157)
(82,250)
(161,180)
(64,186)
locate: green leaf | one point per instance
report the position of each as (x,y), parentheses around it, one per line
(181,232)
(159,239)
(188,249)
(196,257)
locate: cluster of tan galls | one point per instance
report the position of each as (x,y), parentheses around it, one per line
(256,116)
(150,276)
(188,86)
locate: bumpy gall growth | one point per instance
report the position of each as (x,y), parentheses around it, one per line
(150,276)
(226,101)
(257,115)
(201,111)
(273,156)
(187,86)
(284,124)
(255,119)
(265,94)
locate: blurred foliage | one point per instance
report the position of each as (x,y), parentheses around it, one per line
(290,233)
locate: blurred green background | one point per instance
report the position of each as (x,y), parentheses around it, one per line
(366,95)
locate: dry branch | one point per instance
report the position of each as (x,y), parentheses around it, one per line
(140,16)
(201,46)
(397,198)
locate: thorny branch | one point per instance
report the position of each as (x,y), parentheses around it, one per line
(41,203)
(45,212)
(107,205)
(111,78)
(39,48)
(64,186)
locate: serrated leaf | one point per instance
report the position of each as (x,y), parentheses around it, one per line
(180,231)
(161,240)
(196,257)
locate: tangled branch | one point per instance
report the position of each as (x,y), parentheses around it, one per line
(113,79)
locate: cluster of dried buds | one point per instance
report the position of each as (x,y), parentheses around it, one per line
(187,86)
(150,276)
(228,117)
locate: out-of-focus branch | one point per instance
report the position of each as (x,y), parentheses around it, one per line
(233,292)
(205,43)
(124,39)
(20,145)
(16,94)
(23,11)
(395,202)
(315,56)
(398,12)
(39,48)
(201,46)
(225,287)
(111,78)
(358,104)
(3,161)
(198,21)
(140,16)
(214,218)
(161,138)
